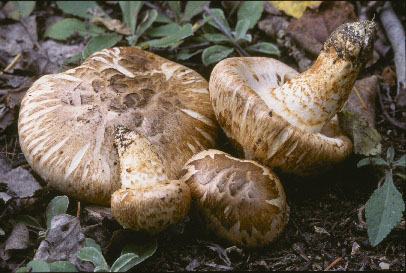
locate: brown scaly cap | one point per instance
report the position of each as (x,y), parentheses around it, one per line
(67,120)
(240,200)
(284,119)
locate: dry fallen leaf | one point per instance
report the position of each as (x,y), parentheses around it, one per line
(295,8)
(389,76)
(314,27)
(111,24)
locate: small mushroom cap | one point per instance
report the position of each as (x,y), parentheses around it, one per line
(236,89)
(67,120)
(240,200)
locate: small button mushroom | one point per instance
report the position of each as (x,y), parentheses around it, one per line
(68,122)
(241,201)
(284,119)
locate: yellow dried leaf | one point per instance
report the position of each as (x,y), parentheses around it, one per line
(112,24)
(295,8)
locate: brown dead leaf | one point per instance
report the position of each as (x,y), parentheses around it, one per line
(111,24)
(314,27)
(367,88)
(389,76)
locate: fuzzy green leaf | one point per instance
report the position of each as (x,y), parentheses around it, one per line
(58,205)
(401,175)
(148,18)
(219,14)
(65,28)
(162,18)
(175,7)
(265,47)
(372,160)
(163,30)
(91,254)
(92,243)
(125,262)
(252,11)
(390,154)
(100,42)
(193,8)
(401,162)
(241,29)
(383,210)
(38,266)
(23,269)
(19,9)
(78,8)
(142,249)
(215,53)
(184,54)
(216,37)
(62,266)
(130,11)
(182,33)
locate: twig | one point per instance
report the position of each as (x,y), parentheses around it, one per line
(12,64)
(78,211)
(386,115)
(360,219)
(396,34)
(360,98)
(333,263)
(223,29)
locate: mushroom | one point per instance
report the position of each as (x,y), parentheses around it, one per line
(283,119)
(239,200)
(70,123)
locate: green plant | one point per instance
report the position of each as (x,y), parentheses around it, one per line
(131,255)
(384,208)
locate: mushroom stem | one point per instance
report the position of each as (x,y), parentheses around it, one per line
(310,100)
(148,200)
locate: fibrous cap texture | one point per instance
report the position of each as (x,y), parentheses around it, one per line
(67,120)
(240,200)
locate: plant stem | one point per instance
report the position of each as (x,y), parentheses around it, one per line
(223,29)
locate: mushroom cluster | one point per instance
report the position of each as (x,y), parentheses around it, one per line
(133,129)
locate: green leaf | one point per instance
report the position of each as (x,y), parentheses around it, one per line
(130,11)
(28,220)
(38,266)
(390,154)
(23,269)
(401,162)
(241,28)
(147,21)
(401,175)
(58,205)
(220,16)
(100,42)
(175,7)
(215,53)
(192,8)
(216,37)
(383,210)
(184,54)
(92,243)
(265,47)
(367,140)
(91,254)
(19,9)
(65,28)
(101,269)
(62,266)
(78,8)
(182,33)
(163,30)
(162,18)
(252,11)
(142,249)
(125,262)
(364,162)
(73,59)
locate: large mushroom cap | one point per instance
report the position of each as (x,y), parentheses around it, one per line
(285,119)
(67,120)
(240,200)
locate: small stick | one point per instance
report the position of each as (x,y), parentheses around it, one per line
(360,98)
(223,29)
(361,221)
(386,115)
(12,64)
(333,263)
(78,211)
